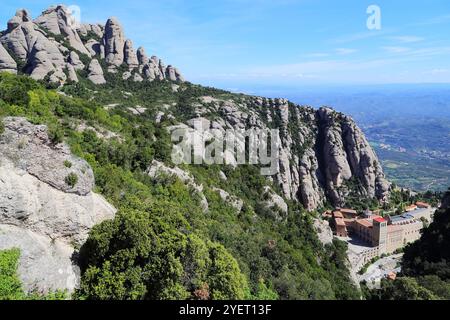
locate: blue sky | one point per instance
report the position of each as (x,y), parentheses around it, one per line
(285,43)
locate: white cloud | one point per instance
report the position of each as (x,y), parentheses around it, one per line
(407,39)
(344,51)
(396,49)
(317,55)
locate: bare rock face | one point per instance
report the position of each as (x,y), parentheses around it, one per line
(39,213)
(142,56)
(75,61)
(30,148)
(114,42)
(72,74)
(31,44)
(276,202)
(233,201)
(96,72)
(130,56)
(324,231)
(7,63)
(348,155)
(323,155)
(53,40)
(85,28)
(58,21)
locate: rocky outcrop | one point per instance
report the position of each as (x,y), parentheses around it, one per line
(114,42)
(58,21)
(232,201)
(40,213)
(96,72)
(130,56)
(156,169)
(85,28)
(322,155)
(142,57)
(71,73)
(7,63)
(275,202)
(53,40)
(31,149)
(32,45)
(75,61)
(324,232)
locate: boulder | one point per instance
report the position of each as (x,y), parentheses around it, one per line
(30,148)
(96,72)
(75,61)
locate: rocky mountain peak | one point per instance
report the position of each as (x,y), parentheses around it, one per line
(48,46)
(21,16)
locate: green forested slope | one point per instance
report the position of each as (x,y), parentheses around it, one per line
(162,245)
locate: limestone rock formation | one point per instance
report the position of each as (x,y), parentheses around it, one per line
(30,148)
(142,56)
(75,61)
(71,73)
(130,56)
(54,39)
(114,41)
(7,63)
(96,72)
(58,21)
(85,28)
(322,156)
(39,213)
(29,43)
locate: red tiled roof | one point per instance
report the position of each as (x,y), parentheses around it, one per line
(379,219)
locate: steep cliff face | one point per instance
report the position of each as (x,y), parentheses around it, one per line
(46,47)
(323,155)
(41,211)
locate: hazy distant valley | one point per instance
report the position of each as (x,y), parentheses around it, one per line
(409,126)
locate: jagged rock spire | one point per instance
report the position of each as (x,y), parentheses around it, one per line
(39,45)
(114,41)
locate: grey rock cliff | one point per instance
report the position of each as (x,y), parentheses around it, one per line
(323,155)
(32,45)
(54,40)
(58,21)
(39,213)
(7,63)
(130,56)
(114,42)
(96,72)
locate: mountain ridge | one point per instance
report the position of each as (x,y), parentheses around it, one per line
(50,45)
(333,150)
